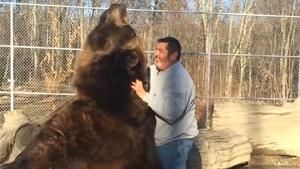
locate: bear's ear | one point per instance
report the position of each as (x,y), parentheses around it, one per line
(126,59)
(132,52)
(116,14)
(132,60)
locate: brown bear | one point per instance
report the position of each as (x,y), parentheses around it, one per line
(106,126)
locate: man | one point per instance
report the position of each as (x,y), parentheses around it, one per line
(172,97)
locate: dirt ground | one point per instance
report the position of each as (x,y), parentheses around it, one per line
(276,160)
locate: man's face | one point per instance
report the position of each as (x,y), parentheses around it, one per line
(162,58)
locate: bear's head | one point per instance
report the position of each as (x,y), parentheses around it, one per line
(110,60)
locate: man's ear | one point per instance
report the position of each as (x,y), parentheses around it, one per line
(174,56)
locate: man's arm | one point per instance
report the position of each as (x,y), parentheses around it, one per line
(169,106)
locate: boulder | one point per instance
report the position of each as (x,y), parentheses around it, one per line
(219,149)
(271,130)
(15,134)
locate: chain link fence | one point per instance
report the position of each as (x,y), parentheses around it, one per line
(230,56)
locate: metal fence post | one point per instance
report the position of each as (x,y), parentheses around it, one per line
(11,80)
(208,118)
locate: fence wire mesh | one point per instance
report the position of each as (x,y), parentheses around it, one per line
(4,68)
(230,56)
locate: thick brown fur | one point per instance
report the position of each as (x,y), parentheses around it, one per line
(106,126)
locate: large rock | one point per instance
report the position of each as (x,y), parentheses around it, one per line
(15,134)
(23,137)
(271,130)
(13,120)
(219,149)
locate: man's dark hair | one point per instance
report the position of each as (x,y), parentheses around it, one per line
(173,45)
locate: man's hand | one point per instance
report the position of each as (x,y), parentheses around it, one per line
(137,86)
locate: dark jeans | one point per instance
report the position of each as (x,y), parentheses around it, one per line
(174,154)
